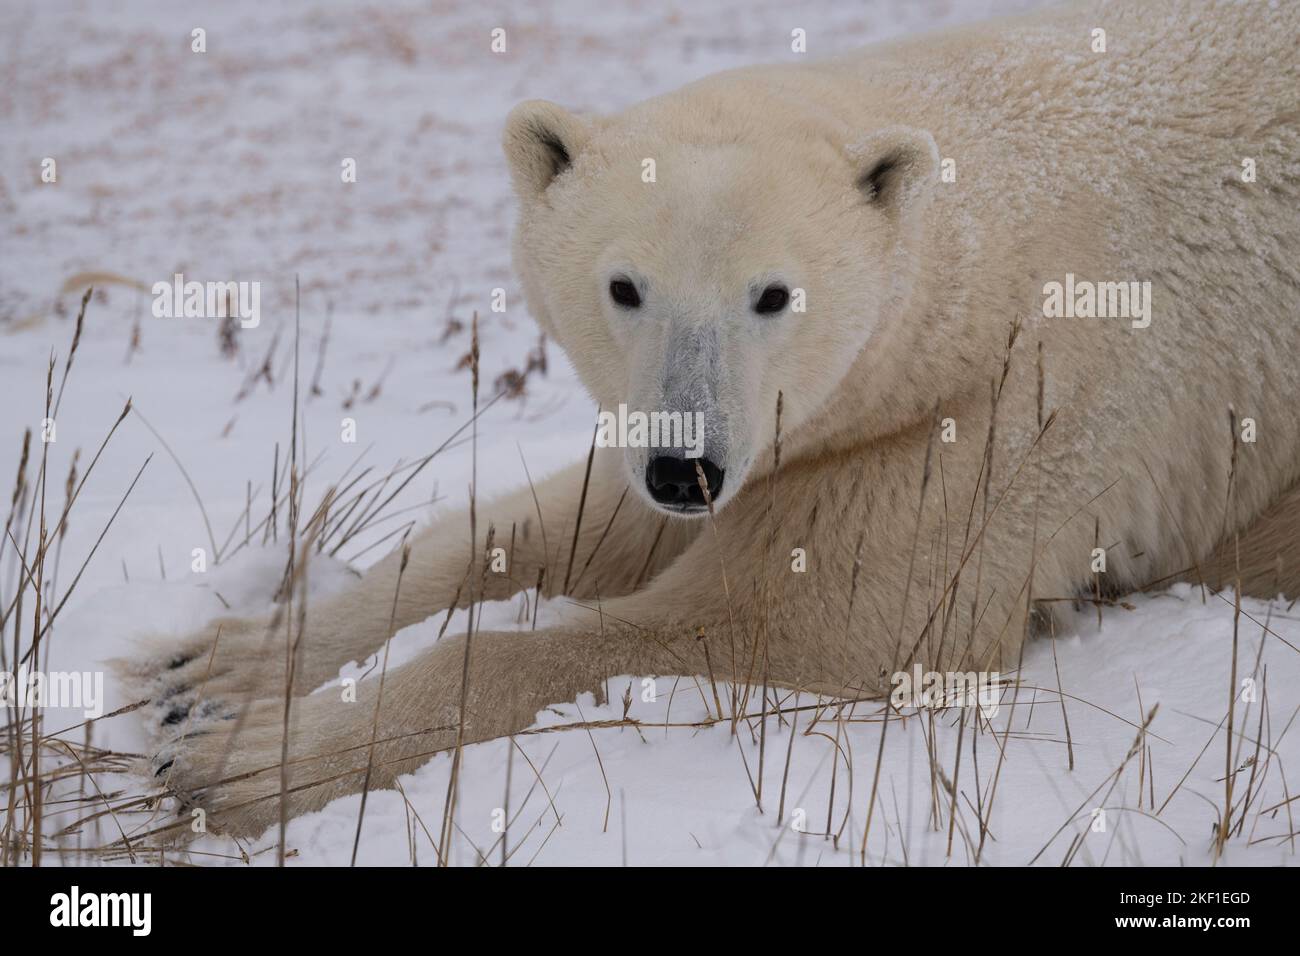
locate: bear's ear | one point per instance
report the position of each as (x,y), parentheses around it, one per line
(540,142)
(896,168)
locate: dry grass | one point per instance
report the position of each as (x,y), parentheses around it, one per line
(56,800)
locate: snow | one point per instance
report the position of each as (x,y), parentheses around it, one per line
(226,165)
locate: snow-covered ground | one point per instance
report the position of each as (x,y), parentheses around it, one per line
(226,164)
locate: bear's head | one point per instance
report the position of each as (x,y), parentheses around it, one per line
(698,265)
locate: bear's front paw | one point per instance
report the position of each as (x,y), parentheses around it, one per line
(228,765)
(205,677)
(223,769)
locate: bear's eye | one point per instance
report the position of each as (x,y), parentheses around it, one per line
(624,293)
(774,299)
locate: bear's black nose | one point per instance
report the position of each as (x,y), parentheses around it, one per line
(673,482)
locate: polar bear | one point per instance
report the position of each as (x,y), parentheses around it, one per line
(973,320)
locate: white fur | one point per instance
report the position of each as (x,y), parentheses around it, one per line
(1116,166)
